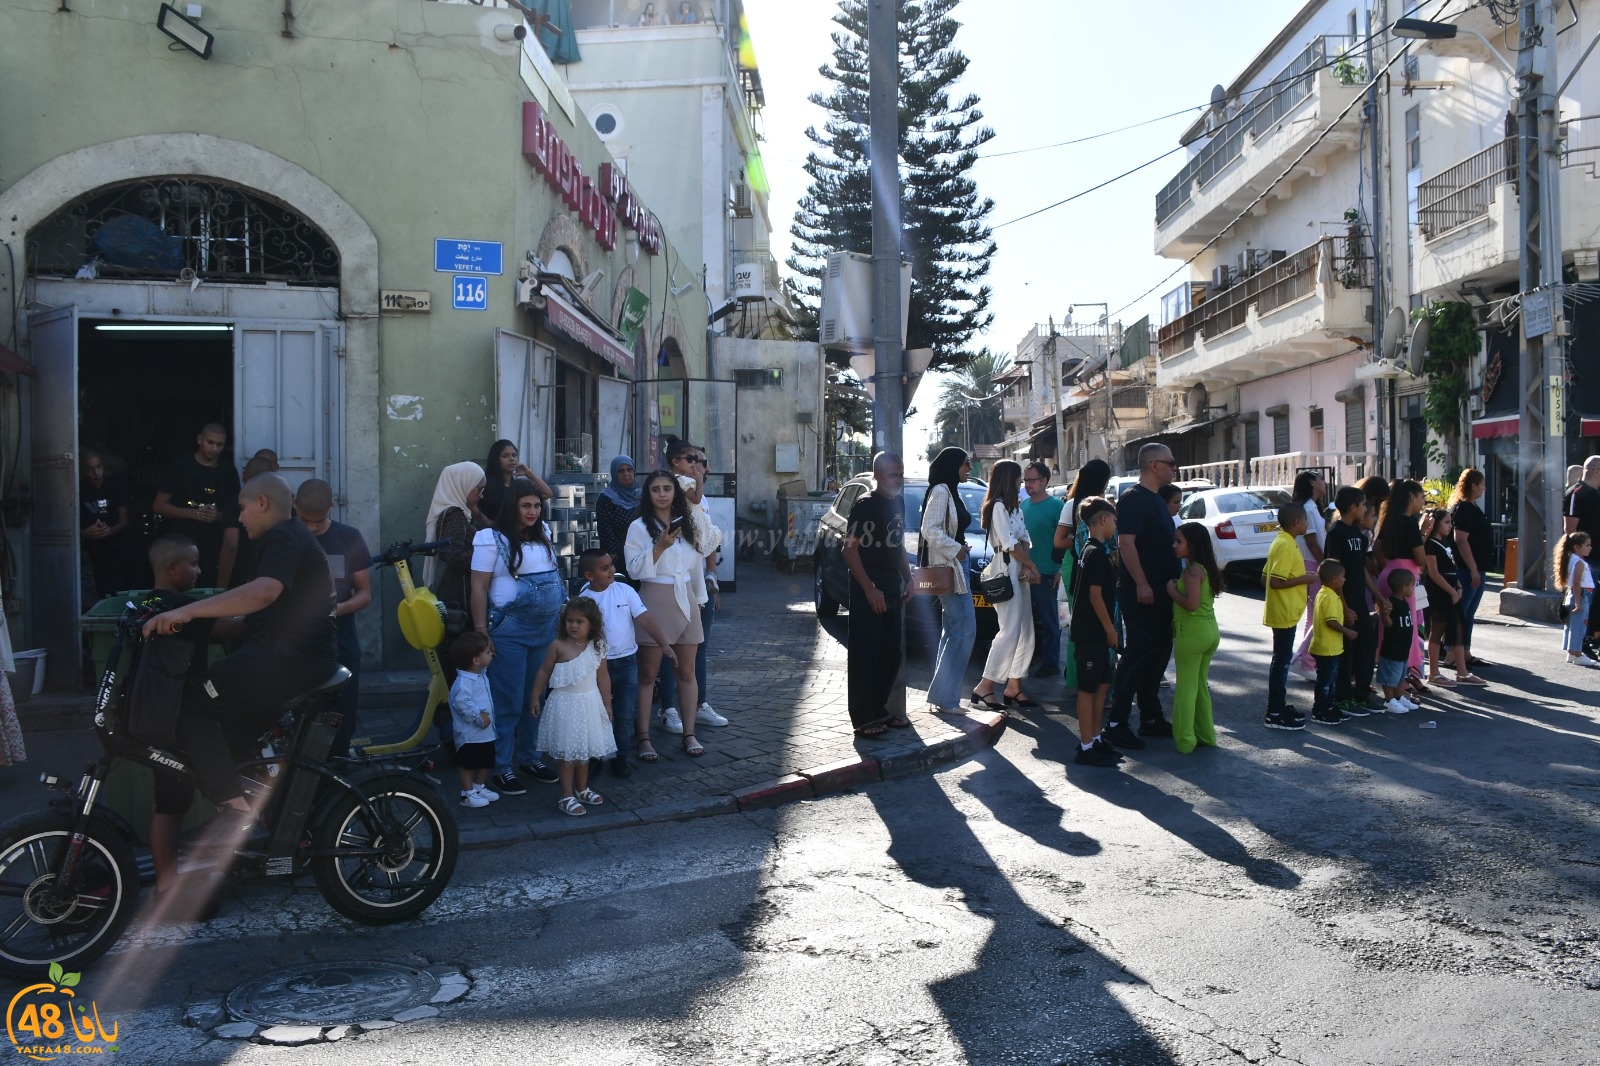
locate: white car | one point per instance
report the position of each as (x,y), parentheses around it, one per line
(1242,523)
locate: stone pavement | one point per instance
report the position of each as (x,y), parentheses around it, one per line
(775,672)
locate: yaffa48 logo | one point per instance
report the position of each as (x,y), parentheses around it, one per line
(46,1020)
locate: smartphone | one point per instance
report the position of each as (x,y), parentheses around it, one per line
(678,521)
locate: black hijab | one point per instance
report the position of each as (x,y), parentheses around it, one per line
(946,470)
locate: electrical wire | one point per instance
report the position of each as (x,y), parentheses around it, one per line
(1086,192)
(1093,136)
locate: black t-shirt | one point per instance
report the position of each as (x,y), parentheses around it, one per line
(100,504)
(1583,503)
(1444,557)
(1348,545)
(1410,538)
(1470,519)
(300,620)
(1143,515)
(192,484)
(879,525)
(1093,571)
(1399,634)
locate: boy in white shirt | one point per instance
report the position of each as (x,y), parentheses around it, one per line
(622,610)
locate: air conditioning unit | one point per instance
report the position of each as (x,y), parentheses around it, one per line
(749,283)
(739,200)
(1222,277)
(846,318)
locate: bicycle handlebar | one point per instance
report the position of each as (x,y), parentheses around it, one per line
(405,549)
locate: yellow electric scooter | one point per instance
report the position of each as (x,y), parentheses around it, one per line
(422,619)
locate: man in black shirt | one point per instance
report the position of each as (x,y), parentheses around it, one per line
(1144,542)
(880,587)
(1582,513)
(196,499)
(102,523)
(1346,542)
(288,643)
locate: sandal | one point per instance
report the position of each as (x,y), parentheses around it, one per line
(898,721)
(645,751)
(988,701)
(1441,681)
(876,729)
(1020,699)
(1470,679)
(692,747)
(591,797)
(570,805)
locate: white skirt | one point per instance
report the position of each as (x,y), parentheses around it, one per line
(573,726)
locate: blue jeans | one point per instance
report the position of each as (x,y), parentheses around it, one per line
(1578,622)
(1471,596)
(521,636)
(667,681)
(1047,625)
(624,672)
(958,631)
(1278,672)
(1327,682)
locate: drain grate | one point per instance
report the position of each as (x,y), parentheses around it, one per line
(334,993)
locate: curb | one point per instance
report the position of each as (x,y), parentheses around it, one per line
(971,732)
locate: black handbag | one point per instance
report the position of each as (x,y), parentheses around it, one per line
(998,589)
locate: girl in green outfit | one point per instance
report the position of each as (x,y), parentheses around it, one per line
(1194,636)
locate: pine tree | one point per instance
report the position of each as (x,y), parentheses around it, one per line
(945,232)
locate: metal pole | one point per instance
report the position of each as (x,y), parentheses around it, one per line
(1053,366)
(1541,452)
(888,407)
(1380,308)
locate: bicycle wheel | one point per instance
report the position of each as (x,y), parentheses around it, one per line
(390,865)
(39,924)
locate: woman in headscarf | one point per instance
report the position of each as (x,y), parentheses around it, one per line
(451,516)
(618,506)
(1072,536)
(943,543)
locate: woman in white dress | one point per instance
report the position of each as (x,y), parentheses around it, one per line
(1013,644)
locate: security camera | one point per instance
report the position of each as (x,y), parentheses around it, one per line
(508,31)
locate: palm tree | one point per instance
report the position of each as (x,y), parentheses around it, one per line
(969,401)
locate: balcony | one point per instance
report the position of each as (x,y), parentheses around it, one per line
(1270,129)
(1292,313)
(1469,215)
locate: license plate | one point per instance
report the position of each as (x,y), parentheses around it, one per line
(1267,527)
(979,601)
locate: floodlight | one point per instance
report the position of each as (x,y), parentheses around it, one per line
(185,31)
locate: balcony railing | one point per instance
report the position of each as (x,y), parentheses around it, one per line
(1258,114)
(1267,290)
(1462,193)
(1281,469)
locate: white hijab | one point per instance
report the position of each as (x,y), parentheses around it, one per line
(456,483)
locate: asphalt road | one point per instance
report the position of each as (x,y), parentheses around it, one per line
(1379,893)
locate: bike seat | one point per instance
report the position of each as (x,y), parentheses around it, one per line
(336,681)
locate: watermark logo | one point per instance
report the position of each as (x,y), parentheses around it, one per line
(45,1021)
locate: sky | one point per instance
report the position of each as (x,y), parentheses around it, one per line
(1046,71)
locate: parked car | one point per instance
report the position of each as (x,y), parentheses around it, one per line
(830,581)
(1242,523)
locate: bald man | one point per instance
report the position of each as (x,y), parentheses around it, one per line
(880,587)
(288,643)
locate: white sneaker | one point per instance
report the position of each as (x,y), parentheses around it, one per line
(706,716)
(486,792)
(674,724)
(1581,660)
(1397,706)
(1411,704)
(471,798)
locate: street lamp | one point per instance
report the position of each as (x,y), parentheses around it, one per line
(1423,30)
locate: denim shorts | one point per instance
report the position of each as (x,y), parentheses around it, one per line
(1391,672)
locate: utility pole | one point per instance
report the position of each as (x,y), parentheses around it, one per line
(1380,304)
(883,56)
(1053,365)
(1541,451)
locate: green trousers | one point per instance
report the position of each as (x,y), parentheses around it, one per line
(1194,642)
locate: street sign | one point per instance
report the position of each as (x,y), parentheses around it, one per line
(452,256)
(405,300)
(1537,319)
(468,293)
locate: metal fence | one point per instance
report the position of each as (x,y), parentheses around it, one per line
(1268,289)
(1462,193)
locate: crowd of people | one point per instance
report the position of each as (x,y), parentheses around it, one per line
(1369,593)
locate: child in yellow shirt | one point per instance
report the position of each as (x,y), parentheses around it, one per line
(1286,579)
(1330,625)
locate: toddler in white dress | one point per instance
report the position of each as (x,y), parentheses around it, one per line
(575,722)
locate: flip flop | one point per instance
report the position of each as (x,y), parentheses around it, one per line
(645,752)
(898,721)
(1470,679)
(876,729)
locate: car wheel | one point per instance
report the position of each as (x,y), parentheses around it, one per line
(826,605)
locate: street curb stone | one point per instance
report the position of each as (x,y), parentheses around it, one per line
(843,775)
(774,793)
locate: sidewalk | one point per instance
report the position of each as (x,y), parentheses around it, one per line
(775,672)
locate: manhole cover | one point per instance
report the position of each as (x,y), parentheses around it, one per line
(335,993)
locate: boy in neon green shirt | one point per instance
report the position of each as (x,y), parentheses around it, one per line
(1330,618)
(1286,580)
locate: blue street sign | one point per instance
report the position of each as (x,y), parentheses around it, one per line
(468,293)
(468,257)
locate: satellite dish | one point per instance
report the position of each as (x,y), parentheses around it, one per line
(1195,401)
(1417,349)
(1394,334)
(1219,99)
